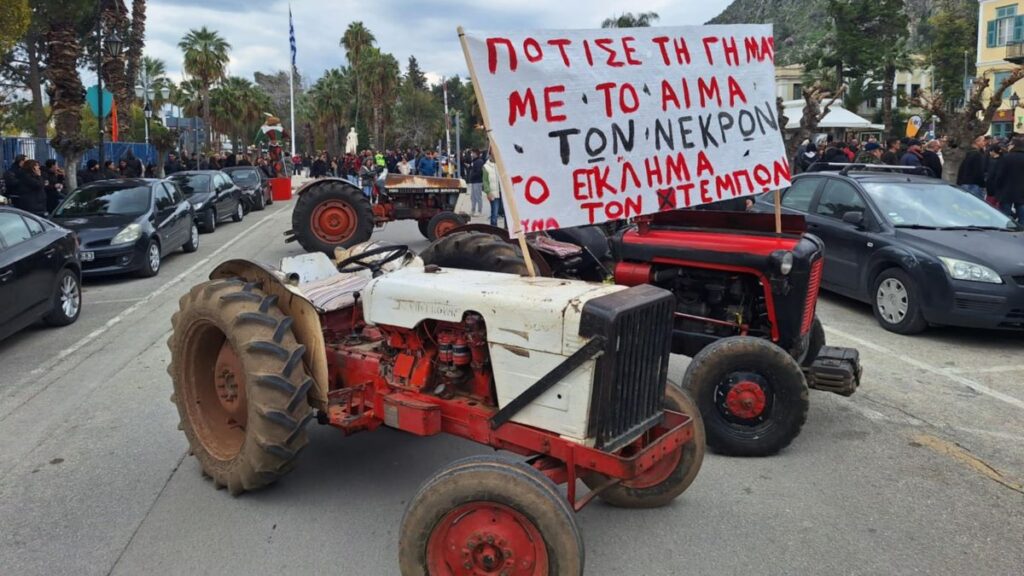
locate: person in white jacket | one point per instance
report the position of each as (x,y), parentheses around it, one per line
(492,188)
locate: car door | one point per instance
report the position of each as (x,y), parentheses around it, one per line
(225,203)
(845,243)
(25,276)
(165,219)
(181,220)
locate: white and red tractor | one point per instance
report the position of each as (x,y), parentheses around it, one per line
(569,376)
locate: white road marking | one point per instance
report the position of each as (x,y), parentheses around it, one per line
(117,301)
(949,375)
(989,370)
(149,298)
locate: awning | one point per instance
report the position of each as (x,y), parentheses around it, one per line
(837,117)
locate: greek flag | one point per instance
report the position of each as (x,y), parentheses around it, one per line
(291,34)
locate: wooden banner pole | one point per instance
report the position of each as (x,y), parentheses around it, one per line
(778,212)
(506,180)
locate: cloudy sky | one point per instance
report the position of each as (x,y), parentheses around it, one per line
(258,29)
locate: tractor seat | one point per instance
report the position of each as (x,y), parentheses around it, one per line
(335,292)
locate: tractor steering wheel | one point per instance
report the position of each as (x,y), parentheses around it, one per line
(357,262)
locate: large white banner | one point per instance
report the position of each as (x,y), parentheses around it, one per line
(597,125)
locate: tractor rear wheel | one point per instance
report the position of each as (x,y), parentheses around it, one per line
(475,251)
(671,476)
(330,215)
(486,515)
(442,223)
(239,383)
(751,393)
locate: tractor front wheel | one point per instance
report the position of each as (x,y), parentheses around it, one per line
(671,476)
(751,393)
(441,224)
(486,515)
(331,215)
(239,384)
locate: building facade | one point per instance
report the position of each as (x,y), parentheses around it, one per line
(1001,35)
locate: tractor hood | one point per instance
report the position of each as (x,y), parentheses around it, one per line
(541,314)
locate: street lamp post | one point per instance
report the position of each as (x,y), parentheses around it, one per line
(113,46)
(147,91)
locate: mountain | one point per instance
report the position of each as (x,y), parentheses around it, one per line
(801,24)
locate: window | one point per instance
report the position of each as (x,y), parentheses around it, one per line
(798,91)
(1006,28)
(997,80)
(798,196)
(175,192)
(13,229)
(1002,129)
(915,90)
(163,198)
(838,198)
(34,226)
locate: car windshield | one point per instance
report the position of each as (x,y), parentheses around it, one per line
(934,205)
(105,201)
(192,183)
(245,177)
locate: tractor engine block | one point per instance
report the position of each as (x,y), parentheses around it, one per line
(735,301)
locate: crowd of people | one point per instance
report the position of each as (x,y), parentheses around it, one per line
(992,170)
(368,170)
(33,187)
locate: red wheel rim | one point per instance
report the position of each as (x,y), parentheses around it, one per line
(334,221)
(486,538)
(746,400)
(656,474)
(215,394)
(443,227)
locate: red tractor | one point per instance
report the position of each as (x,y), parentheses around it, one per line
(744,308)
(568,375)
(333,212)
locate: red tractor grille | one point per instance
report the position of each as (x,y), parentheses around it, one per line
(813,284)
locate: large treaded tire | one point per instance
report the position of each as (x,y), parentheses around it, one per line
(344,195)
(787,397)
(475,251)
(276,383)
(479,481)
(625,496)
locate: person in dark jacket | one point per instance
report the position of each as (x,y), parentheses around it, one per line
(1009,181)
(12,178)
(806,157)
(172,165)
(835,154)
(476,183)
(109,172)
(913,155)
(931,157)
(53,178)
(891,156)
(31,189)
(871,154)
(971,175)
(91,173)
(132,165)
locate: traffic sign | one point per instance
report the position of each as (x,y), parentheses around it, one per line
(92,97)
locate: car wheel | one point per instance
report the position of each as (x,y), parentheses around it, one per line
(209,220)
(897,304)
(67,300)
(270,198)
(151,260)
(239,212)
(260,201)
(193,239)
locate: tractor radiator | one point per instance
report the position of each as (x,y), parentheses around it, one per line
(630,376)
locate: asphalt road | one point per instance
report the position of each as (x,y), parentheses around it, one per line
(919,473)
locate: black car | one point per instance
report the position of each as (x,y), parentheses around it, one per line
(254,184)
(128,225)
(213,195)
(918,249)
(40,277)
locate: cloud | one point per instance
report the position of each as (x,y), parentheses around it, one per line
(258,30)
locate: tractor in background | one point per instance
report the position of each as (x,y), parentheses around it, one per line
(744,308)
(334,213)
(570,376)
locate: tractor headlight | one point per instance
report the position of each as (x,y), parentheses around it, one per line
(969,271)
(782,260)
(129,234)
(198,206)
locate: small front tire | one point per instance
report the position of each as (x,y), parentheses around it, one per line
(151,260)
(67,300)
(239,212)
(897,304)
(487,515)
(193,239)
(443,223)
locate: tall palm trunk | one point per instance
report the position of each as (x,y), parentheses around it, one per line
(115,18)
(63,53)
(205,96)
(136,41)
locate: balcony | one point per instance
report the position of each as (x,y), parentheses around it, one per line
(1015,53)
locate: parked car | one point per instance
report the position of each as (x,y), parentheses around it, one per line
(918,249)
(128,225)
(254,184)
(213,195)
(40,276)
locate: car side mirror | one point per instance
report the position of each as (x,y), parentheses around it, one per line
(856,218)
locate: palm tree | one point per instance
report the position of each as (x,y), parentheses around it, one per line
(629,20)
(329,100)
(381,74)
(206,60)
(356,40)
(154,71)
(237,107)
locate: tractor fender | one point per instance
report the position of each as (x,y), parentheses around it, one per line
(305,319)
(321,181)
(887,257)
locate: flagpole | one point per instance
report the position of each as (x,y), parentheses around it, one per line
(447,122)
(291,75)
